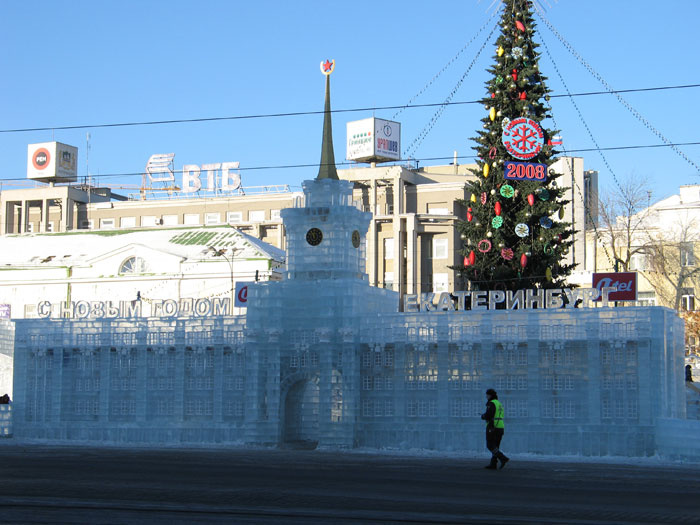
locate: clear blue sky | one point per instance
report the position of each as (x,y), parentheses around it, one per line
(94,62)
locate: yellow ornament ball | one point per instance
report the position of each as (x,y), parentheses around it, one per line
(486,170)
(501,51)
(548,274)
(492,114)
(473,199)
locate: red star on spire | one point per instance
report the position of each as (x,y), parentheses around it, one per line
(327,65)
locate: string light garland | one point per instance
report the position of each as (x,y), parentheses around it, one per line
(610,90)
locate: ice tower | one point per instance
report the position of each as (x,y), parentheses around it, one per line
(303,332)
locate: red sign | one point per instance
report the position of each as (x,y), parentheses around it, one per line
(625,282)
(41,158)
(523,138)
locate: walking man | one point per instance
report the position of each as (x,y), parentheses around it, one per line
(495,427)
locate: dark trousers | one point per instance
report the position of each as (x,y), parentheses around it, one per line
(493,442)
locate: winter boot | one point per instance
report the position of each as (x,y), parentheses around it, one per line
(492,465)
(503,459)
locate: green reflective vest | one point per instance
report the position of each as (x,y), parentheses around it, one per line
(498,416)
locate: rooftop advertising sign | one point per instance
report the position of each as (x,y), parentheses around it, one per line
(373,140)
(52,162)
(219,176)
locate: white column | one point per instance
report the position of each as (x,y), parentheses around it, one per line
(66,215)
(25,215)
(372,237)
(44,223)
(411,253)
(280,237)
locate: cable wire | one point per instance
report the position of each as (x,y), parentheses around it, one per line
(308,113)
(423,159)
(446,66)
(607,86)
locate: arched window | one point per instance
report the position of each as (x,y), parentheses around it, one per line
(133,265)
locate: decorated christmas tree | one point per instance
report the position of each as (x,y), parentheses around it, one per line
(513,236)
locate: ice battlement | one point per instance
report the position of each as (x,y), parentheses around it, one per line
(327,192)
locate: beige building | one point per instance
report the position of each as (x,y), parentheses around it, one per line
(411,244)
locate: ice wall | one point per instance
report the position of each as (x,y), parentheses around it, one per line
(7,344)
(583,382)
(147,380)
(579,381)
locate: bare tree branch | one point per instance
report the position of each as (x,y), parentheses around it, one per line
(623,215)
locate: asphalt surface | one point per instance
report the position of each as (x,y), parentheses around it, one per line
(88,485)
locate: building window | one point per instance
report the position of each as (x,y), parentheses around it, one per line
(133,265)
(234,217)
(275,215)
(191,219)
(86,224)
(640,262)
(211,219)
(389,280)
(439,250)
(149,220)
(49,226)
(646,298)
(688,299)
(440,282)
(438,208)
(127,222)
(687,254)
(106,224)
(389,249)
(170,220)
(256,216)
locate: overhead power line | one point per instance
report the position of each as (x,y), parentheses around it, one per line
(320,112)
(423,159)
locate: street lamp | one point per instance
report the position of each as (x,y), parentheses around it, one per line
(221,252)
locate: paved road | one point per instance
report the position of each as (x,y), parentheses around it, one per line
(72,484)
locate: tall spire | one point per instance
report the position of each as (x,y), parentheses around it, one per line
(327,168)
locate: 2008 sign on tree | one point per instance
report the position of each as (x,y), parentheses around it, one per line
(525,171)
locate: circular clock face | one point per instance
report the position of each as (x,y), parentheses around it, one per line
(314,236)
(356,239)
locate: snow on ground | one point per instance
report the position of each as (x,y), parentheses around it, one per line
(653,461)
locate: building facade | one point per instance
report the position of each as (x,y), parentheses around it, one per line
(77,272)
(412,242)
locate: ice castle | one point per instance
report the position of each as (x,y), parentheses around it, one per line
(323,359)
